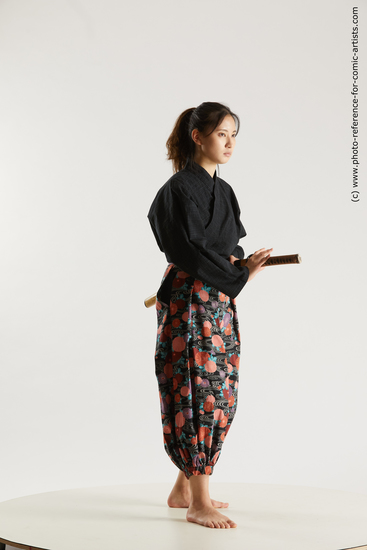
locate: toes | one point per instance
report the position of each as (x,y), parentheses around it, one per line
(219,504)
(232,524)
(210,523)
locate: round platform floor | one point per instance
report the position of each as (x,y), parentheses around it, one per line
(269,517)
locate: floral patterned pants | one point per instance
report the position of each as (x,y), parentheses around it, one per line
(197,361)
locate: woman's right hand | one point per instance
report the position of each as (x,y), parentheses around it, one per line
(255,263)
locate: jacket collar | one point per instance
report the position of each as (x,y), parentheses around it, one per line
(201,172)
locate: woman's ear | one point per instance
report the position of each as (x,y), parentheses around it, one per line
(195,134)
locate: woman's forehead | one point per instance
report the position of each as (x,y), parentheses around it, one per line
(227,124)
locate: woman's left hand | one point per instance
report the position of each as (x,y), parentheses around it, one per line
(232,259)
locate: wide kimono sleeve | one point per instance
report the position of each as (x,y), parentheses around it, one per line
(238,251)
(180,233)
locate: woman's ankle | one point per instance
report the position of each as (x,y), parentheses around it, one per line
(202,502)
(182,482)
(199,486)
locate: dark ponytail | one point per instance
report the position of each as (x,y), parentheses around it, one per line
(205,118)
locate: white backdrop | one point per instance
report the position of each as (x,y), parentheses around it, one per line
(90,93)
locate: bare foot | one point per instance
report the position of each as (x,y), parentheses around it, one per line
(181,499)
(209,517)
(219,504)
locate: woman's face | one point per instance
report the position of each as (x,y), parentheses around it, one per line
(218,146)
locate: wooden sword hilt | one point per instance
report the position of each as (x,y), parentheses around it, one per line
(274,260)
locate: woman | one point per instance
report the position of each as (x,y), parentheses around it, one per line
(195,218)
